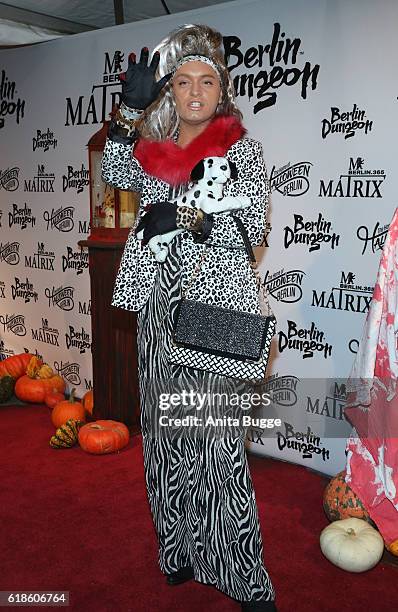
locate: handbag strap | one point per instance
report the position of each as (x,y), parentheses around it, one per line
(245,237)
(250,254)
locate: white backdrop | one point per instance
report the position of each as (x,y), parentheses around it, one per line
(315,83)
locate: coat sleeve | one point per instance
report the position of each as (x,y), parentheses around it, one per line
(252,181)
(119,168)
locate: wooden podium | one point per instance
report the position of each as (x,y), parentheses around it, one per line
(114,340)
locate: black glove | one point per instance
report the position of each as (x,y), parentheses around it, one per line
(139,87)
(160,219)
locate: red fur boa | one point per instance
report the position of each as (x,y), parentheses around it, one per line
(169,162)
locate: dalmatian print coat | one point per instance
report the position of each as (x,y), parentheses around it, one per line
(225,277)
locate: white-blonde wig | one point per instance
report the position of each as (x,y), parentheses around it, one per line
(160,120)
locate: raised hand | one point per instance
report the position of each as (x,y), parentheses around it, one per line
(139,85)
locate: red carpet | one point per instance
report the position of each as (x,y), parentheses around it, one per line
(81,523)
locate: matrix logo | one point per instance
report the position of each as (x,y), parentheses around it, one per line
(41,260)
(96,107)
(357,183)
(330,406)
(349,296)
(281,57)
(347,123)
(43,182)
(45,333)
(291,180)
(268,228)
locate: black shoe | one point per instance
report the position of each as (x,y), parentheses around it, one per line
(182,575)
(258,606)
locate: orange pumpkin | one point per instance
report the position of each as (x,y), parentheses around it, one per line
(104,436)
(68,409)
(15,365)
(35,390)
(88,401)
(393,548)
(52,399)
(340,501)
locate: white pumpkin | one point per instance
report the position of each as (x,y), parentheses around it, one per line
(352,544)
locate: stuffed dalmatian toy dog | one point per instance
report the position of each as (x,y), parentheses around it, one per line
(209,176)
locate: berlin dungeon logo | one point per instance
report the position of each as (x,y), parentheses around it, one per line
(308,341)
(21,217)
(4,351)
(9,252)
(60,219)
(10,105)
(312,234)
(285,285)
(95,107)
(69,371)
(331,405)
(14,323)
(280,55)
(375,238)
(348,296)
(75,179)
(346,122)
(291,179)
(9,179)
(359,182)
(2,289)
(24,290)
(46,334)
(78,339)
(306,444)
(61,297)
(282,389)
(44,141)
(43,182)
(42,259)
(75,260)
(34,352)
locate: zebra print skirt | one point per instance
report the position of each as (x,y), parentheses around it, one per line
(198,481)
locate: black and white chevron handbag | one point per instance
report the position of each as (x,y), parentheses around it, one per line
(222,340)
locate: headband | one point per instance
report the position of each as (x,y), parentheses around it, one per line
(196,58)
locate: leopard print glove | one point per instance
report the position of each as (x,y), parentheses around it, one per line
(189,218)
